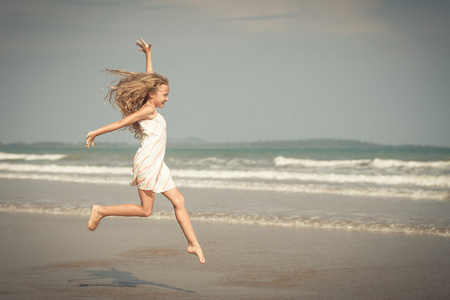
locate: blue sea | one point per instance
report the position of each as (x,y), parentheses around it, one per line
(336,185)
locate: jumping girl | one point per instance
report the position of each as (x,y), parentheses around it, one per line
(137,95)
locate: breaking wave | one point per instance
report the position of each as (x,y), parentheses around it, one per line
(414,180)
(374,163)
(30,157)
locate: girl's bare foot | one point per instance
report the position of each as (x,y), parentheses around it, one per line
(95,218)
(197,250)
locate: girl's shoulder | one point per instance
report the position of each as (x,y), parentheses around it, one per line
(148,111)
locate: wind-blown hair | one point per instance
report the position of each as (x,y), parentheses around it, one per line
(130,92)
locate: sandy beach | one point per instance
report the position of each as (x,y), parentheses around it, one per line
(56,257)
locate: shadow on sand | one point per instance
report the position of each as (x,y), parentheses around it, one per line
(121,279)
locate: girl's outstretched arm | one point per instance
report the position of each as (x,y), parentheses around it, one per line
(145,112)
(147,49)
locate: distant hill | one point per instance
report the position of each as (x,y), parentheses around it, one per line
(311,144)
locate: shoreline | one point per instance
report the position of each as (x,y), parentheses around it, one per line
(216,206)
(53,256)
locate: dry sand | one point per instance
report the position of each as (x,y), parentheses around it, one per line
(57,257)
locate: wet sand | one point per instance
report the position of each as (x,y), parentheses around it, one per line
(57,257)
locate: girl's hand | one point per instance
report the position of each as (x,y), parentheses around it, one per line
(144,47)
(90,139)
(147,49)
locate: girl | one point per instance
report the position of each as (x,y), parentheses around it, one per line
(137,96)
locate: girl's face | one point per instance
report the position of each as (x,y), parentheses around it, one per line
(160,97)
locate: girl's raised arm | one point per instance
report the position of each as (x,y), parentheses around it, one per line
(147,49)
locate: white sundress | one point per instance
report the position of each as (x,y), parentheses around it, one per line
(150,171)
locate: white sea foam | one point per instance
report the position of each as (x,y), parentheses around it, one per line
(68,178)
(320,223)
(440,181)
(258,220)
(392,163)
(375,163)
(14,156)
(416,180)
(284,161)
(64,169)
(415,194)
(209,160)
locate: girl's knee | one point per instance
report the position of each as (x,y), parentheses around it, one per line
(146,213)
(178,201)
(175,197)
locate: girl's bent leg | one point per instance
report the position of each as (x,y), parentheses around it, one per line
(143,210)
(183,219)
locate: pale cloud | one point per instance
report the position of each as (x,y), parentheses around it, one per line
(315,16)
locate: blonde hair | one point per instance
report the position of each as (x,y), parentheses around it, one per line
(130,92)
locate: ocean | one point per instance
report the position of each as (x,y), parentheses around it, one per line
(335,186)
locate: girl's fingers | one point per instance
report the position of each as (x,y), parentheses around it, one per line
(89,142)
(143,46)
(141,43)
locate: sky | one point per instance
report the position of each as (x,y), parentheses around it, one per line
(239,70)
